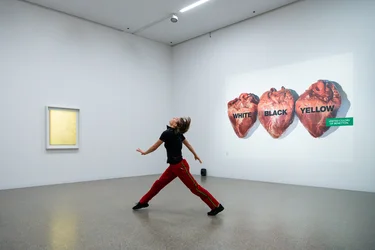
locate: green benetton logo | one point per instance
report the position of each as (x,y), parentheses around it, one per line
(346,121)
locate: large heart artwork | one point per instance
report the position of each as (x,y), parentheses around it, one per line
(242,113)
(320,101)
(276,111)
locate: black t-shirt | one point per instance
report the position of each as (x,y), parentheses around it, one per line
(173,144)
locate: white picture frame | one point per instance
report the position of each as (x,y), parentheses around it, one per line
(62,127)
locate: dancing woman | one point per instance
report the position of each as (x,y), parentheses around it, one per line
(173,138)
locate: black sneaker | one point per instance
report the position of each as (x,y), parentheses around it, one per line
(140,205)
(216,210)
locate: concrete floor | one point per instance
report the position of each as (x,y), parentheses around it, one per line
(98,215)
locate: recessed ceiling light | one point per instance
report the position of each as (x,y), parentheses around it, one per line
(193,5)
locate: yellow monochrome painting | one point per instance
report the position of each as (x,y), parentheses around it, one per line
(63,128)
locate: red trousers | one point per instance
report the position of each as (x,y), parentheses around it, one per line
(180,170)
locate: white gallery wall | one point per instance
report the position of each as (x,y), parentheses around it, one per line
(121,83)
(294,46)
(128,87)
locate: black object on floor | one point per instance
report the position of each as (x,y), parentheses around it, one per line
(203,172)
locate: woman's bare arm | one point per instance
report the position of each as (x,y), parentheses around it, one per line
(152,148)
(187,144)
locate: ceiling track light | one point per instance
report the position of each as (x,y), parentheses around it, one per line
(193,5)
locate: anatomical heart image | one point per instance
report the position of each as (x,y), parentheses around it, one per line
(276,111)
(320,101)
(242,113)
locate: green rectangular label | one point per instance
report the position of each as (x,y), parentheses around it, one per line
(346,121)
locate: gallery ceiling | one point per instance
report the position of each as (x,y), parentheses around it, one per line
(151,18)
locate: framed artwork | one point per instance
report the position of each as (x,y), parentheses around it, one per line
(62,127)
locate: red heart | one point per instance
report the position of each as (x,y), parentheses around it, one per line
(321,101)
(242,113)
(276,111)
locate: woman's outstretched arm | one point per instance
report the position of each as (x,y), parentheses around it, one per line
(152,148)
(187,144)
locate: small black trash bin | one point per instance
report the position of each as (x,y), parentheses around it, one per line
(203,172)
